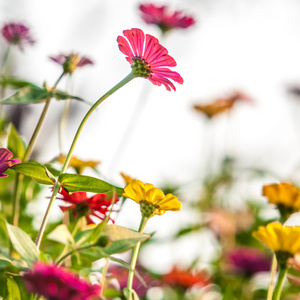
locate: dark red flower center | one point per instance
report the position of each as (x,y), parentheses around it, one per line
(141,68)
(82,209)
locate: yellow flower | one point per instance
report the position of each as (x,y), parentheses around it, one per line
(126,178)
(78,164)
(279,238)
(152,200)
(283,194)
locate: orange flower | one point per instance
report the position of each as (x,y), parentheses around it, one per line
(78,164)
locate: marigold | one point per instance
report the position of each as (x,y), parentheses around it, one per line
(152,200)
(57,283)
(165,20)
(284,195)
(148,58)
(6,161)
(82,205)
(283,240)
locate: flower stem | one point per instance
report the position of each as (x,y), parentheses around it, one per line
(272,277)
(278,288)
(68,157)
(134,258)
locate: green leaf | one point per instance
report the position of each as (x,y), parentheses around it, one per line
(13,292)
(60,95)
(22,243)
(111,293)
(15,143)
(61,234)
(36,171)
(81,183)
(27,94)
(15,82)
(121,238)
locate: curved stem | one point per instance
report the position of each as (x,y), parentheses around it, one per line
(278,288)
(68,157)
(134,258)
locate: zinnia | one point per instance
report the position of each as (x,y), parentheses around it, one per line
(82,205)
(57,283)
(17,34)
(148,58)
(6,161)
(165,20)
(152,200)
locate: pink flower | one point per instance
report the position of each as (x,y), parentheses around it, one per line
(6,161)
(17,34)
(82,205)
(159,16)
(57,283)
(71,62)
(148,58)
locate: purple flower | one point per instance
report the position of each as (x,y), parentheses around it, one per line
(71,62)
(6,161)
(248,260)
(57,283)
(17,34)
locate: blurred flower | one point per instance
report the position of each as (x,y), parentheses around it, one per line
(152,200)
(57,283)
(221,105)
(285,196)
(121,275)
(71,62)
(81,205)
(17,34)
(294,262)
(185,278)
(248,260)
(283,240)
(147,58)
(78,164)
(165,20)
(126,178)
(6,161)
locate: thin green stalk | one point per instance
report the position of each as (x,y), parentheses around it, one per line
(278,288)
(134,258)
(272,278)
(69,155)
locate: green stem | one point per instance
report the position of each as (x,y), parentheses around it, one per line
(28,152)
(272,278)
(134,258)
(68,157)
(278,288)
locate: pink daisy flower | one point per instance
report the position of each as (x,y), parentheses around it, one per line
(17,34)
(57,283)
(71,62)
(148,58)
(6,161)
(165,20)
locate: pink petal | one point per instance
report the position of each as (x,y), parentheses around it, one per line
(125,48)
(165,72)
(5,155)
(149,45)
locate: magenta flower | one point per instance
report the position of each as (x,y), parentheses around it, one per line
(17,34)
(57,283)
(71,62)
(165,20)
(148,58)
(6,161)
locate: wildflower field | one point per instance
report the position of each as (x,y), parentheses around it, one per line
(118,196)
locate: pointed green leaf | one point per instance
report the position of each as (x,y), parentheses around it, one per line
(36,171)
(15,143)
(60,95)
(15,82)
(61,234)
(81,183)
(13,292)
(27,94)
(22,243)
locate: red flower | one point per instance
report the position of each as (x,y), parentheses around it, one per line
(57,283)
(71,62)
(17,34)
(6,161)
(185,278)
(165,20)
(81,205)
(147,58)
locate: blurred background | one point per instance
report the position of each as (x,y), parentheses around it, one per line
(235,45)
